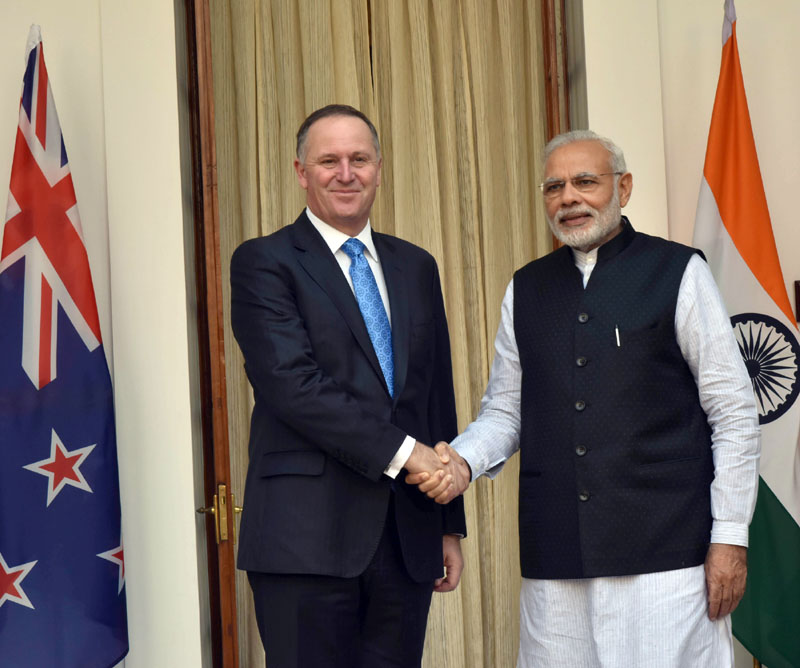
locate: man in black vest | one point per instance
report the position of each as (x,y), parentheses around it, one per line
(618,378)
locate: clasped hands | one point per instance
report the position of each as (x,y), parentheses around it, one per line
(440,472)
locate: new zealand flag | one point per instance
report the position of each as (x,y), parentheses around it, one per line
(62,575)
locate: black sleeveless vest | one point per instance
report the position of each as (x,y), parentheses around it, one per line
(615,448)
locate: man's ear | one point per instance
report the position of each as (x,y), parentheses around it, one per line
(300,169)
(625,187)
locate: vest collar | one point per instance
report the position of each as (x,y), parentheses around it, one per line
(612,248)
(619,243)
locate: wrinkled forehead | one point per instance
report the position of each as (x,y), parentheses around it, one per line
(578,157)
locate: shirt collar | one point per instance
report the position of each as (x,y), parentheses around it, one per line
(334,239)
(582,259)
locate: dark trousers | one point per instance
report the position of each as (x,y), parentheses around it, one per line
(375,620)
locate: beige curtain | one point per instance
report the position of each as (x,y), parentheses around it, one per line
(455,88)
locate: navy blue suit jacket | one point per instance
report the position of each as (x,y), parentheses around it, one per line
(324,426)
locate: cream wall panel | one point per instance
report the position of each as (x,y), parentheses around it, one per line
(624,98)
(652,68)
(691,43)
(151,332)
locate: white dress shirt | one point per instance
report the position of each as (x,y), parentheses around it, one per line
(334,240)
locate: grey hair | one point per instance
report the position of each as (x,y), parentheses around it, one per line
(617,159)
(327,112)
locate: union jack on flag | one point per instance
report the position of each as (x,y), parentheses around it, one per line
(62,573)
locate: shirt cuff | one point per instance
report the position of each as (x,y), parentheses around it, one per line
(400,458)
(476,461)
(731,533)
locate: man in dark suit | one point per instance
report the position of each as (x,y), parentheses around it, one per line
(345,343)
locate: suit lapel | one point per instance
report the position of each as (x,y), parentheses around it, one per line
(398,302)
(317,259)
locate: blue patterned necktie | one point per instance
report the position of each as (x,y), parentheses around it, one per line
(372,309)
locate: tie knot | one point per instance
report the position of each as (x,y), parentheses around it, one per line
(353,248)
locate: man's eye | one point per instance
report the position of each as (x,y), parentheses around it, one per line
(359,162)
(585,183)
(553,188)
(328,163)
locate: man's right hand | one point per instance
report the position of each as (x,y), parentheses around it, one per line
(726,577)
(440,473)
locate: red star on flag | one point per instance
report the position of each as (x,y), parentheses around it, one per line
(11,581)
(62,467)
(116,555)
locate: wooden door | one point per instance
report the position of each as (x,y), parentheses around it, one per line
(220,504)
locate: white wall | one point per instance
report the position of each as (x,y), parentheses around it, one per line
(151,358)
(624,98)
(113,74)
(691,46)
(652,69)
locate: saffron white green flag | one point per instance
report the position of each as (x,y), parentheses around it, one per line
(733,228)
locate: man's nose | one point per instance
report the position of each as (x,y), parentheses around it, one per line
(344,172)
(570,194)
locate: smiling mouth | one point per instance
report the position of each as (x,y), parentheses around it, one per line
(576,219)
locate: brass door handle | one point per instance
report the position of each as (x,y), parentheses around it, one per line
(219,511)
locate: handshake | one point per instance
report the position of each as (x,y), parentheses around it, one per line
(440,472)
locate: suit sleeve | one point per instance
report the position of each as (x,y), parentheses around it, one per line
(442,408)
(280,364)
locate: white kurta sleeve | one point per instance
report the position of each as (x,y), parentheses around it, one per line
(494,435)
(706,339)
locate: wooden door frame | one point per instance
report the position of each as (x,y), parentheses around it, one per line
(210,323)
(210,316)
(556,71)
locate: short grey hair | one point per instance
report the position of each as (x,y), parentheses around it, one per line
(615,152)
(327,112)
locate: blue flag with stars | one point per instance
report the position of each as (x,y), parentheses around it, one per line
(62,575)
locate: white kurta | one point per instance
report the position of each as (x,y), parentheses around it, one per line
(656,619)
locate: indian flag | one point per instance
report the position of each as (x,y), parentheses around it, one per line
(733,228)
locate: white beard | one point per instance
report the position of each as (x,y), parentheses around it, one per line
(590,235)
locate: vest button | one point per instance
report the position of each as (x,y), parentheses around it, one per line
(580,405)
(583,317)
(581,361)
(580,450)
(584,495)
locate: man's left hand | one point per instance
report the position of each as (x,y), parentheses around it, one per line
(453,564)
(726,575)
